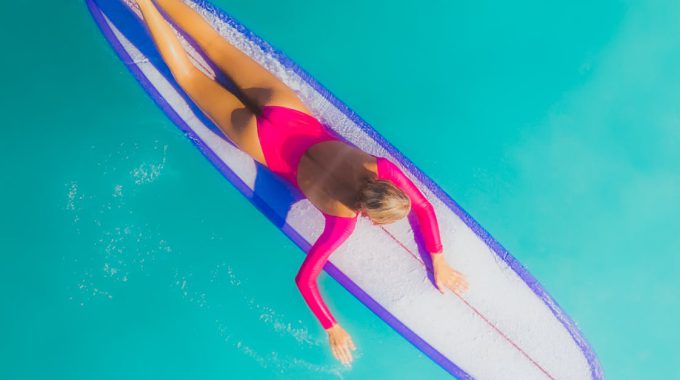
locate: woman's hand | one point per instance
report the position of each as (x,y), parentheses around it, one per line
(447,277)
(341,343)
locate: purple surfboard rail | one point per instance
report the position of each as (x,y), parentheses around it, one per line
(502,253)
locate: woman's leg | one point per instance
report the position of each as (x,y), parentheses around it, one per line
(232,117)
(259,85)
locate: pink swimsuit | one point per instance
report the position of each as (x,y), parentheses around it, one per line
(285,135)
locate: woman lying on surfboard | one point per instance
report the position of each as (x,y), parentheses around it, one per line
(269,122)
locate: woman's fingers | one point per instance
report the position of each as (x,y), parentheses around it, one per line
(440,287)
(463,282)
(341,353)
(346,354)
(457,286)
(460,287)
(345,358)
(335,352)
(344,351)
(451,279)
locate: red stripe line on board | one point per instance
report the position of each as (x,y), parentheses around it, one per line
(475,310)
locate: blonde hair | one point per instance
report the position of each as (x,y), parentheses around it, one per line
(383,202)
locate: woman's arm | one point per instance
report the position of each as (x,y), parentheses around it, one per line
(445,276)
(427,220)
(336,231)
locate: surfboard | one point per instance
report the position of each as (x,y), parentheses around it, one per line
(505,327)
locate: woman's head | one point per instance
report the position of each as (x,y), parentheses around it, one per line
(383,202)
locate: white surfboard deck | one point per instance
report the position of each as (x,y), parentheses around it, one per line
(505,327)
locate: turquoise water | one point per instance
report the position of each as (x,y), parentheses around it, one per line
(126,255)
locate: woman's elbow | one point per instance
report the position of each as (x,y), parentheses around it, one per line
(303,280)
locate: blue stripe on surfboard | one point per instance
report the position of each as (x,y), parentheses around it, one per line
(135,32)
(273,215)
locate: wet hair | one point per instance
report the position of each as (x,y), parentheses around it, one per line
(382,201)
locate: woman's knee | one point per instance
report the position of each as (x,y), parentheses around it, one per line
(187,77)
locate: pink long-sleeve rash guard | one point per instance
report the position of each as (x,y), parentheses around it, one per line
(337,229)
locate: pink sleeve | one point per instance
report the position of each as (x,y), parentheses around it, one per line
(336,231)
(419,204)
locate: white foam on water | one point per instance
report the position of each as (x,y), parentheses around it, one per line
(148,172)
